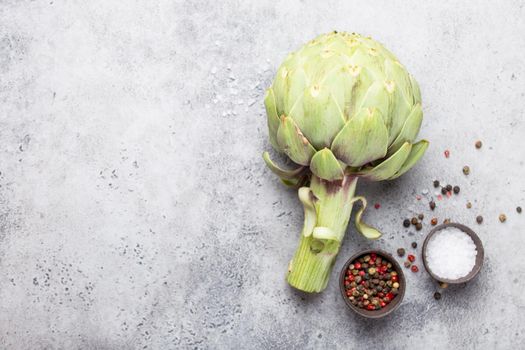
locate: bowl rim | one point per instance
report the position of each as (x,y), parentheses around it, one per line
(479,255)
(392,306)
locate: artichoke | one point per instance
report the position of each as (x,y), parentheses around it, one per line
(341,108)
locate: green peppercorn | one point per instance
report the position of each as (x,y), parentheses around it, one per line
(366,258)
(395,285)
(469,205)
(432,205)
(466,170)
(365,302)
(436,183)
(456,189)
(407,264)
(502,217)
(406,222)
(389,265)
(479,219)
(351,266)
(371,270)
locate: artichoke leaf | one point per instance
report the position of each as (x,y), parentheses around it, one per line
(326,166)
(325,233)
(295,183)
(273,117)
(310,216)
(363,139)
(417,151)
(320,117)
(293,142)
(364,229)
(282,173)
(390,166)
(410,129)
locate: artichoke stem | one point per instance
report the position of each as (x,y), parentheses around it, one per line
(310,268)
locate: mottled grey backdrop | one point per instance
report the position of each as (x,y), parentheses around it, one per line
(135,208)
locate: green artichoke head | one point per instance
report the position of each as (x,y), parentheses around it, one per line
(343,105)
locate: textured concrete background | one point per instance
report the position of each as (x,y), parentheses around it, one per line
(135,208)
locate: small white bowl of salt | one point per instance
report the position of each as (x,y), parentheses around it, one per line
(452,253)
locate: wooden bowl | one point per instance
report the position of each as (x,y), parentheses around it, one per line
(479,256)
(393,305)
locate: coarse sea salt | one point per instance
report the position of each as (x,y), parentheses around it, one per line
(451,253)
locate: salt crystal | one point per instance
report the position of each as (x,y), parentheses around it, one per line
(451,253)
(213,70)
(424,192)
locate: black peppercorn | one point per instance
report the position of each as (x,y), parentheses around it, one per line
(443,190)
(436,183)
(479,219)
(437,295)
(518,209)
(449,188)
(456,189)
(406,222)
(432,205)
(414,245)
(421,216)
(401,252)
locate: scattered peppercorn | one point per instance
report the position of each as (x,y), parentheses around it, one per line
(421,216)
(502,217)
(406,223)
(411,258)
(469,205)
(447,153)
(401,252)
(407,264)
(466,170)
(478,144)
(377,205)
(449,188)
(443,190)
(432,205)
(414,268)
(518,209)
(436,183)
(414,245)
(434,221)
(479,219)
(414,221)
(446,221)
(437,295)
(456,189)
(419,226)
(443,285)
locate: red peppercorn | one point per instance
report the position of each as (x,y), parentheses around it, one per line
(361,273)
(381,294)
(383,304)
(347,283)
(373,256)
(394,279)
(390,296)
(414,268)
(411,258)
(370,307)
(447,153)
(363,282)
(357,265)
(351,278)
(377,205)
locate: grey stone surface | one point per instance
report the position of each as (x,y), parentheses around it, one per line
(135,208)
